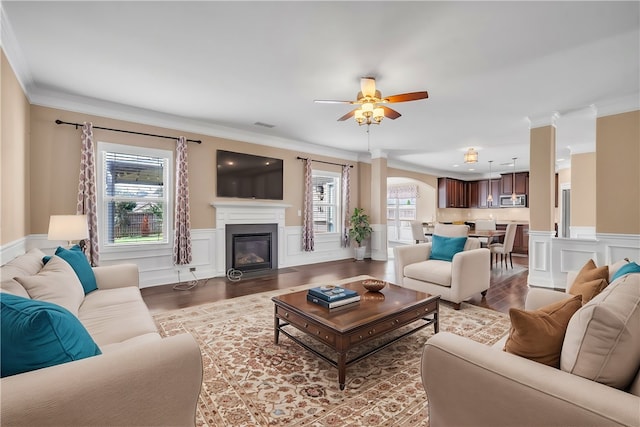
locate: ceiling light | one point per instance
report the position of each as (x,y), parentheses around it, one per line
(471,156)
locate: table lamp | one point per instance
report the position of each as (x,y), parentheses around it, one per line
(69,228)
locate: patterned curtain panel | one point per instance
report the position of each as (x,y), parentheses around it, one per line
(403,192)
(87,204)
(182,229)
(346,185)
(307,223)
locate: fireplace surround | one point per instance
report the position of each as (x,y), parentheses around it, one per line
(251,247)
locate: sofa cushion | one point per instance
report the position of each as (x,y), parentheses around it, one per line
(444,248)
(602,342)
(38,334)
(116,315)
(431,271)
(538,334)
(56,283)
(588,290)
(24,265)
(78,261)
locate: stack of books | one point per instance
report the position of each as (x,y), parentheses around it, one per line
(332,296)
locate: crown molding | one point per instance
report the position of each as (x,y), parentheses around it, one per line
(541,120)
(97,107)
(623,104)
(14,55)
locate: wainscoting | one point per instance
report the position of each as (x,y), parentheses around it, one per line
(550,258)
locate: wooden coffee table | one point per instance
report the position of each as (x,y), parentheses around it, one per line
(343,328)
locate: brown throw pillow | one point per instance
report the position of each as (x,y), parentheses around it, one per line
(538,335)
(588,290)
(590,272)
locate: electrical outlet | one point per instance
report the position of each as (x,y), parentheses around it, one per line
(192,269)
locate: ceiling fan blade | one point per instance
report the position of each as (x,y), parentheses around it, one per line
(389,113)
(403,97)
(331,101)
(347,116)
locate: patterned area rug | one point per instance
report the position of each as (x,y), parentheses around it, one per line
(250,381)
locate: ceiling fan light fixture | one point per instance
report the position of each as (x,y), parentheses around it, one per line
(368,86)
(471,156)
(378,114)
(367,109)
(359,116)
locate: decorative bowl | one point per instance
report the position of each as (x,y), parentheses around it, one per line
(374,285)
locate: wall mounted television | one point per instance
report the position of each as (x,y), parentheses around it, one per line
(249,176)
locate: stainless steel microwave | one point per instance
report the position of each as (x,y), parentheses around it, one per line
(508,202)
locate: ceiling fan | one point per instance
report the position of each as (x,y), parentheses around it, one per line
(371,109)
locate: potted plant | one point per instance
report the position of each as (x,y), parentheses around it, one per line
(359,230)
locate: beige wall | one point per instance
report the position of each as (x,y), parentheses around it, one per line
(55,162)
(583,195)
(542,148)
(618,173)
(14,153)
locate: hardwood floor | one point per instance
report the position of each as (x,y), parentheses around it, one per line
(508,286)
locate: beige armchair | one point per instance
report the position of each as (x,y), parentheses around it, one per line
(455,281)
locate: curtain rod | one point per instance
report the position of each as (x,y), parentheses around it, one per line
(77,125)
(322,161)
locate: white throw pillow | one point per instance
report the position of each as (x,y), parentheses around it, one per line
(602,342)
(56,283)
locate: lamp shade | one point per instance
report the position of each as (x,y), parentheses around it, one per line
(68,227)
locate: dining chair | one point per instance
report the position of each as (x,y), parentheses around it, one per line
(417,231)
(506,247)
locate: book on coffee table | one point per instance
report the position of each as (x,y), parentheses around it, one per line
(333,304)
(332,293)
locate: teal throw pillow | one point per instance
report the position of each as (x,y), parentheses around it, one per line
(444,248)
(78,261)
(631,267)
(37,334)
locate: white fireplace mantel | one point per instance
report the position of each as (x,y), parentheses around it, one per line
(247,212)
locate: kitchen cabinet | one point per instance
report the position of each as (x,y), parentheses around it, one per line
(521,183)
(472,194)
(452,193)
(483,192)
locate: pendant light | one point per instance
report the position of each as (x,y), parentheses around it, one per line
(490,196)
(513,182)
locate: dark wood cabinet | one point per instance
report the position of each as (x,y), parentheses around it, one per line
(521,183)
(472,194)
(483,193)
(452,193)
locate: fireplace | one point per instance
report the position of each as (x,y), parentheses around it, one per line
(251,247)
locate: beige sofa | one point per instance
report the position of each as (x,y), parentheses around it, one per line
(466,275)
(140,379)
(471,384)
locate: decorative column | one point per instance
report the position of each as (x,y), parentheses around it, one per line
(542,150)
(378,212)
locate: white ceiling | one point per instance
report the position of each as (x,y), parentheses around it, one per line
(219,67)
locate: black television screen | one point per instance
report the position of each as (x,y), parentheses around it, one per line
(249,176)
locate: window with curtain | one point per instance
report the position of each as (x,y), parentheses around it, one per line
(134,203)
(326,202)
(401,208)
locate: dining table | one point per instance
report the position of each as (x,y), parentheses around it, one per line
(490,235)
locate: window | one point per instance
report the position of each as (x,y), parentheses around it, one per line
(401,208)
(326,202)
(134,203)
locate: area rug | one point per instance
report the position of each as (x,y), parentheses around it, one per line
(250,381)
